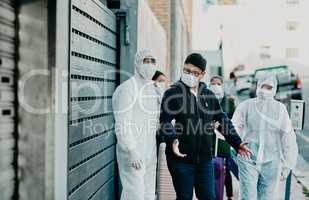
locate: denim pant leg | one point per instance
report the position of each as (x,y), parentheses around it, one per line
(248,179)
(232,166)
(268,180)
(183,178)
(205,181)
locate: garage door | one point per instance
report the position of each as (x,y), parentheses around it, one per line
(91,153)
(7,66)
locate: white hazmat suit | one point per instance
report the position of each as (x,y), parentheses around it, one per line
(136,110)
(264,123)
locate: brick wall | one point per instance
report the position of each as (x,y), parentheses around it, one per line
(152,35)
(162,10)
(187,10)
(176,19)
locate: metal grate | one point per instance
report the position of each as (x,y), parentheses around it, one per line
(91,157)
(7,98)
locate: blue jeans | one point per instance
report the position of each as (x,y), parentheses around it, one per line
(188,176)
(231,165)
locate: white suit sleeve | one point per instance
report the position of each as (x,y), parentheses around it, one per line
(239,119)
(288,142)
(123,101)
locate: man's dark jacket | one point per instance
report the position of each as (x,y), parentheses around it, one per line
(194,122)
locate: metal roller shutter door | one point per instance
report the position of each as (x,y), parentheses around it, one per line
(91,153)
(7,97)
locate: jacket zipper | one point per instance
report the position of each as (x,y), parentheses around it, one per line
(198,136)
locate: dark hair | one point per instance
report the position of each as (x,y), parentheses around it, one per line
(156,75)
(216,77)
(232,75)
(197,60)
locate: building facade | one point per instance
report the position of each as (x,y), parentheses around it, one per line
(59,66)
(176,19)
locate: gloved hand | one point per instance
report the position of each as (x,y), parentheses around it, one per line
(135,160)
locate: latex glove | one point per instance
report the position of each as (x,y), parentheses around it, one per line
(135,161)
(176,149)
(137,164)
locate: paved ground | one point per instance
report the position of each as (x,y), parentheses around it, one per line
(166,190)
(302,169)
(303,136)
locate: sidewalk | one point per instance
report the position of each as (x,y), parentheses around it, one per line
(301,174)
(300,179)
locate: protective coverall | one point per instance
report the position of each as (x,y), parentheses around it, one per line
(136,110)
(264,123)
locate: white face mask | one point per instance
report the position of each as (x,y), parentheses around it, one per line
(161,86)
(218,90)
(189,79)
(147,71)
(264,93)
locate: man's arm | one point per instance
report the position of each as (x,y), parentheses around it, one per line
(169,108)
(226,127)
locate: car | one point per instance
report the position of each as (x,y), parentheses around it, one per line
(244,84)
(289,84)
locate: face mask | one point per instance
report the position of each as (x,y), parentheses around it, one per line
(218,90)
(161,86)
(189,79)
(147,71)
(264,93)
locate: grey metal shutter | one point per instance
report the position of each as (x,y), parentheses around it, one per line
(91,154)
(7,65)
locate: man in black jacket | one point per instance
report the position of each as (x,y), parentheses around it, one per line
(189,112)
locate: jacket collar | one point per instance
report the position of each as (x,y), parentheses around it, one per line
(201,88)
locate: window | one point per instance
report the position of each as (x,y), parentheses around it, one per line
(265,52)
(291,25)
(292,2)
(291,53)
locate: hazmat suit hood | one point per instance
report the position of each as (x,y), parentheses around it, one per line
(145,71)
(269,80)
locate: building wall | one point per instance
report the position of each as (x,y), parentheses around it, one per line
(34,95)
(187,10)
(176,19)
(162,10)
(128,36)
(152,35)
(258,39)
(180,37)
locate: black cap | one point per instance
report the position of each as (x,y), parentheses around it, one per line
(197,60)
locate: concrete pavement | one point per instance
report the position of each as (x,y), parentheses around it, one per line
(166,190)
